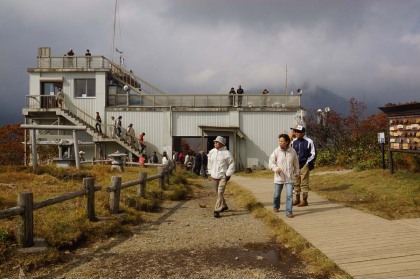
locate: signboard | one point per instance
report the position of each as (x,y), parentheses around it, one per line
(381,137)
(404,129)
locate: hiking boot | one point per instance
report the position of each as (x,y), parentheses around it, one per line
(297,200)
(216,214)
(304,202)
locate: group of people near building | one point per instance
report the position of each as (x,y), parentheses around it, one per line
(117,132)
(291,163)
(192,161)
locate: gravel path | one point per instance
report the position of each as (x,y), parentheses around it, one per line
(184,240)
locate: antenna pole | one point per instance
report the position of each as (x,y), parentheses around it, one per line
(285,88)
(113,35)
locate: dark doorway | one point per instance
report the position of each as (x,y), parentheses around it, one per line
(186,144)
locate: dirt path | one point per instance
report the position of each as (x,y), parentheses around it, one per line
(185,241)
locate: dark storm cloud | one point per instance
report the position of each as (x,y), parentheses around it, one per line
(366,49)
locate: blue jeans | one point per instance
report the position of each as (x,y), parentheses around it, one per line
(289,196)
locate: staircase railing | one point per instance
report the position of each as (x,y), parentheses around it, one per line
(90,121)
(80,114)
(136,83)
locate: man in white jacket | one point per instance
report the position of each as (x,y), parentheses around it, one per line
(221,166)
(285,164)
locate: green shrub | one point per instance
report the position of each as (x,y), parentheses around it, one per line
(326,157)
(4,235)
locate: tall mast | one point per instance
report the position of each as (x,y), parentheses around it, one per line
(113,35)
(285,88)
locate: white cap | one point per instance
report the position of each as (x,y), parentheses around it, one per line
(81,152)
(220,139)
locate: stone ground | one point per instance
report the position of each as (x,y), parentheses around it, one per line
(184,240)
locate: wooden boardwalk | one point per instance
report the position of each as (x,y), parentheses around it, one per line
(363,245)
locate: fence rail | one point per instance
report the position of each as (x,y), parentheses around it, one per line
(164,171)
(26,206)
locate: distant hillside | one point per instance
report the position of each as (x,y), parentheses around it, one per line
(321,98)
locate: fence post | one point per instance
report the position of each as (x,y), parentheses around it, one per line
(161,172)
(171,167)
(25,231)
(114,196)
(89,187)
(142,187)
(166,173)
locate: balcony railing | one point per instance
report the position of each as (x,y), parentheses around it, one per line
(192,101)
(201,100)
(72,62)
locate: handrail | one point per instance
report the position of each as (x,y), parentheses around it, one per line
(117,71)
(178,100)
(86,118)
(99,62)
(205,100)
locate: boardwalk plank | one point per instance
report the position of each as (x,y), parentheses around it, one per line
(364,245)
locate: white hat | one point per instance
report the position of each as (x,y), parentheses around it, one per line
(220,139)
(81,152)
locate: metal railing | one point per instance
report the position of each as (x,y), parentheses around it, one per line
(122,75)
(201,100)
(49,102)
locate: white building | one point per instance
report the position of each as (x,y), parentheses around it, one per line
(95,84)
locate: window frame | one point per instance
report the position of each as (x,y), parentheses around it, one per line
(85,88)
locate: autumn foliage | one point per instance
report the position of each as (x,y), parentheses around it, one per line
(352,141)
(11,147)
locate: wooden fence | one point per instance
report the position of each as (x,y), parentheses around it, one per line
(26,206)
(116,185)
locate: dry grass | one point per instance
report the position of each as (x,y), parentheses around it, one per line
(65,225)
(375,191)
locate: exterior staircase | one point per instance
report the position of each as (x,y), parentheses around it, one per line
(80,119)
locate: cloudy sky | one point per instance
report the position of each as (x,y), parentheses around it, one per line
(367,49)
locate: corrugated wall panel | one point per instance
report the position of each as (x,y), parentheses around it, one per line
(262,130)
(187,123)
(155,124)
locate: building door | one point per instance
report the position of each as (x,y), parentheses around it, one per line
(48,92)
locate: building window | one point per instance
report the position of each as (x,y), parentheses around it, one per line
(85,88)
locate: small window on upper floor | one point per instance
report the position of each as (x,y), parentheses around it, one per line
(85,88)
